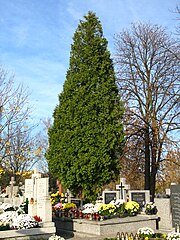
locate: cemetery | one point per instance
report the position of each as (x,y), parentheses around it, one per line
(37,214)
(108,161)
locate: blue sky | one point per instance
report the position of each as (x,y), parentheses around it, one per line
(36,36)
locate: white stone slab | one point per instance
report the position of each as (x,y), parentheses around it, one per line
(29,191)
(42,188)
(44,210)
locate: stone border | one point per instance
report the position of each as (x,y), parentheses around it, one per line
(28,234)
(106,228)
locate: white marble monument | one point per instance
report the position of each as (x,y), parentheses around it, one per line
(36,190)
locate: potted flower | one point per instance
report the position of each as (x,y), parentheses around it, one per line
(150,208)
(55,198)
(145,232)
(132,208)
(120,206)
(55,237)
(88,210)
(67,207)
(57,209)
(173,236)
(107,210)
(74,213)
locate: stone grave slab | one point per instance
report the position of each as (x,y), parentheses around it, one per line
(175,204)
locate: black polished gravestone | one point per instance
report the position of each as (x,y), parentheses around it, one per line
(139,197)
(109,196)
(175,204)
(78,202)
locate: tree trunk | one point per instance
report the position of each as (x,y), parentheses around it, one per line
(147,160)
(153,182)
(154,166)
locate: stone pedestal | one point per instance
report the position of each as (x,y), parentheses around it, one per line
(32,209)
(44,210)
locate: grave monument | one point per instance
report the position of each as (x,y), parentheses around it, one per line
(119,193)
(12,194)
(37,192)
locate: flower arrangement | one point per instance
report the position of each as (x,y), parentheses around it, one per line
(132,207)
(7,217)
(89,208)
(55,198)
(107,209)
(55,237)
(150,208)
(68,206)
(38,219)
(145,232)
(173,236)
(24,221)
(17,219)
(58,206)
(120,206)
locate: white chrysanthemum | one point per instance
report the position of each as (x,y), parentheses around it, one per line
(88,205)
(8,216)
(24,221)
(55,237)
(173,236)
(5,206)
(145,231)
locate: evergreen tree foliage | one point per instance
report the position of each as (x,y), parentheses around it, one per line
(86,138)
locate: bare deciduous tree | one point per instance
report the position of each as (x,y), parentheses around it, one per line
(148,78)
(16,144)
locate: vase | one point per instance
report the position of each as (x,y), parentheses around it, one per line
(101,218)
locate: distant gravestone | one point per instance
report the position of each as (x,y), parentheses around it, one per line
(78,202)
(139,196)
(12,193)
(12,190)
(175,204)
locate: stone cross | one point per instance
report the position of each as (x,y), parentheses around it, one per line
(122,187)
(12,182)
(36,175)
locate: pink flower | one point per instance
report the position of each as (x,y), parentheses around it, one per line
(58,205)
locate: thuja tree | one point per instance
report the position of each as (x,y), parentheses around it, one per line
(86,138)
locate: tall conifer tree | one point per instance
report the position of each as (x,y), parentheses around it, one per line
(86,138)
